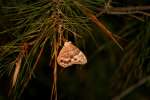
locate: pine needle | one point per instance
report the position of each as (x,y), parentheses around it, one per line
(17,69)
(105,30)
(94,19)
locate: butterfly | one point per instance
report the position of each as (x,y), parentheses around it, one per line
(69,55)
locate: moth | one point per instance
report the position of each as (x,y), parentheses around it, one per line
(69,55)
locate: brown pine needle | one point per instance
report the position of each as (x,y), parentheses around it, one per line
(94,19)
(105,30)
(17,69)
(34,66)
(54,86)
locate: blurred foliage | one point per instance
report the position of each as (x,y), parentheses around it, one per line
(110,72)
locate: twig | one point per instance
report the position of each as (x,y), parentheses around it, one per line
(132,88)
(124,10)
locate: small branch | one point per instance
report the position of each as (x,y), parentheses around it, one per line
(59,29)
(131,89)
(124,10)
(128,9)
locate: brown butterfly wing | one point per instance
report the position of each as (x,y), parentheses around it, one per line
(69,55)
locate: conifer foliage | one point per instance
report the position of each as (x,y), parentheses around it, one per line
(32,33)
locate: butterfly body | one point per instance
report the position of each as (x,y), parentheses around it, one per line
(70,55)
